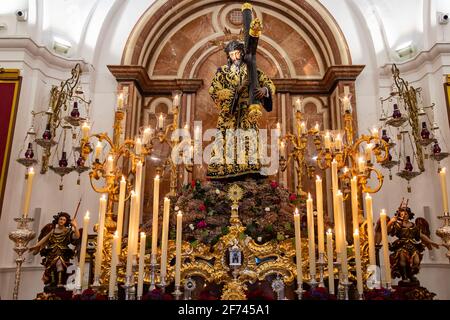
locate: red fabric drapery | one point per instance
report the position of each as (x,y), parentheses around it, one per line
(9,96)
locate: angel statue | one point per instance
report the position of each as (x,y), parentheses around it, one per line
(54,245)
(407,249)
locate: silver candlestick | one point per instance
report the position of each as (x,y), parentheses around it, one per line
(189,287)
(278,286)
(20,237)
(321,264)
(153,266)
(177,293)
(130,290)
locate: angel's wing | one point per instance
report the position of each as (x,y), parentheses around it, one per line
(423,226)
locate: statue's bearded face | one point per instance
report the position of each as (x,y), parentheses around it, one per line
(235,55)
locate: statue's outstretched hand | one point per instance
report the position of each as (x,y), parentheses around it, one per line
(260,92)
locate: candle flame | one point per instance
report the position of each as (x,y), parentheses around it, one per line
(104,197)
(309,196)
(123,179)
(296,211)
(180,213)
(157,177)
(443,170)
(143,235)
(329,231)
(318,178)
(383,212)
(31,170)
(368,196)
(87,215)
(116,235)
(356,233)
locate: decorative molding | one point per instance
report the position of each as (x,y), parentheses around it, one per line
(419,61)
(38,51)
(332,77)
(148,86)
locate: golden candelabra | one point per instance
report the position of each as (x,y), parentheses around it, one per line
(121,160)
(299,143)
(348,153)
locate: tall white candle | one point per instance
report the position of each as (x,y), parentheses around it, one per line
(327,140)
(361,165)
(354,193)
(139,196)
(113,271)
(98,150)
(165,236)
(131,231)
(298,249)
(342,236)
(84,237)
(26,204)
(357,246)
(138,146)
(330,262)
(155,219)
(320,226)
(384,237)
(161,122)
(178,249)
(140,288)
(443,176)
(110,165)
(119,229)
(85,130)
(311,236)
(147,135)
(370,231)
(101,227)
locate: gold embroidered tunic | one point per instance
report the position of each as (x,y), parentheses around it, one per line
(235,149)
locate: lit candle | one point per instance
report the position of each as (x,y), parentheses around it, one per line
(334,175)
(155,218)
(178,249)
(113,273)
(197,134)
(370,231)
(165,235)
(85,130)
(320,226)
(298,105)
(120,101)
(131,231)
(278,130)
(359,279)
(140,288)
(138,175)
(330,261)
(282,148)
(384,237)
(355,213)
(338,142)
(83,247)
(176,100)
(375,133)
(369,149)
(138,146)
(98,150)
(317,127)
(122,191)
(26,204)
(341,233)
(443,176)
(362,165)
(101,227)
(298,249)
(347,104)
(327,140)
(303,127)
(161,122)
(147,135)
(335,187)
(110,165)
(311,238)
